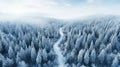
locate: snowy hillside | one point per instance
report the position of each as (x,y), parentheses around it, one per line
(91,42)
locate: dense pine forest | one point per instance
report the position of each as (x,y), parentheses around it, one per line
(92,42)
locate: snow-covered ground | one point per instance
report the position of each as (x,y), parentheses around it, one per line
(61,59)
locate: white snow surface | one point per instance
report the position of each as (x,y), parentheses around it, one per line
(61,59)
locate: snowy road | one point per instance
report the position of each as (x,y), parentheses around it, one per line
(61,59)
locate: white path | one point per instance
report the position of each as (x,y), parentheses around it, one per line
(61,59)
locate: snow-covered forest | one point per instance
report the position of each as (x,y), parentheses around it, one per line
(92,42)
(24,45)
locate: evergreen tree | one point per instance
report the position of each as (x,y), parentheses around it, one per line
(33,54)
(11,53)
(102,56)
(93,56)
(39,57)
(115,62)
(22,64)
(8,63)
(86,57)
(44,55)
(80,56)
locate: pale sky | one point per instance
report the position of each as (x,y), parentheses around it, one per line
(61,9)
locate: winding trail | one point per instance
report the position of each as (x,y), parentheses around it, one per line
(61,59)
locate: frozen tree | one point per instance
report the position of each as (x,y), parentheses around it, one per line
(102,46)
(86,57)
(99,41)
(50,63)
(11,53)
(89,38)
(107,36)
(67,45)
(84,40)
(39,57)
(73,53)
(82,66)
(17,48)
(22,64)
(5,44)
(8,63)
(18,57)
(67,65)
(109,48)
(22,54)
(115,62)
(93,65)
(78,43)
(73,65)
(51,55)
(93,56)
(33,54)
(91,46)
(109,59)
(102,56)
(45,56)
(80,56)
